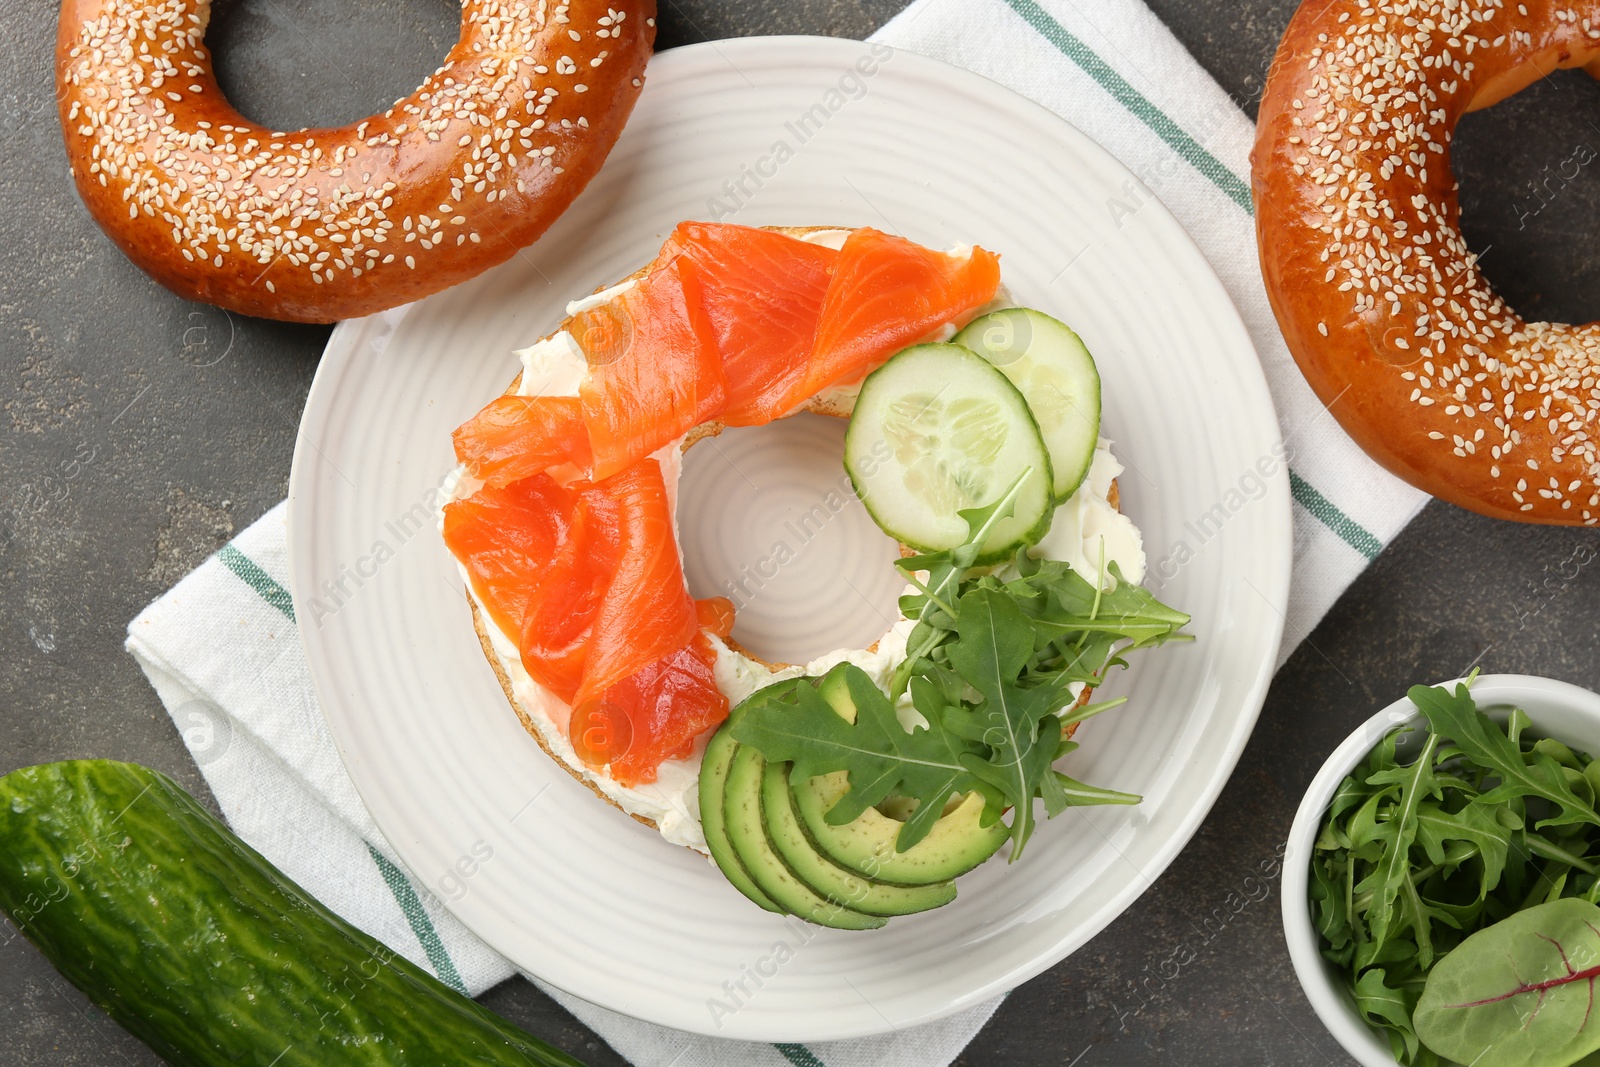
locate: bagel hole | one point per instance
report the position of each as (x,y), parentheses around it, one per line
(1529,171)
(288,64)
(767,518)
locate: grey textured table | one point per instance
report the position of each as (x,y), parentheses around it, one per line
(141,432)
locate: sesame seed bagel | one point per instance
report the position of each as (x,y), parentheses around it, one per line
(1379,299)
(324,224)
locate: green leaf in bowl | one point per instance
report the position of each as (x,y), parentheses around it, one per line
(1518,993)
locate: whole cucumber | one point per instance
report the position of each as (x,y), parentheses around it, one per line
(206,952)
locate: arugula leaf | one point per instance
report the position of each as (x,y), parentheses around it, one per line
(1081,712)
(1368,835)
(1064,602)
(1457,916)
(1332,913)
(1018,725)
(1350,793)
(881,756)
(1540,846)
(1079,794)
(1392,873)
(945,570)
(1558,752)
(1419,917)
(1521,775)
(1490,841)
(1380,1004)
(1592,774)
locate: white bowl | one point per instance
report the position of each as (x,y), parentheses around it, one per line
(1558,709)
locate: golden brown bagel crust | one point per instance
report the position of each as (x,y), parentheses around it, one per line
(1378,297)
(325,224)
(480,626)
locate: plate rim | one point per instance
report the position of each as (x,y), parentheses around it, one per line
(350,335)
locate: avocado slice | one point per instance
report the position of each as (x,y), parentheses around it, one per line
(824,876)
(741,808)
(834,687)
(719,754)
(956,843)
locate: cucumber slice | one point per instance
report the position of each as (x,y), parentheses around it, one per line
(938,430)
(1056,375)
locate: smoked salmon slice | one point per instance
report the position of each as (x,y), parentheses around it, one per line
(648,685)
(506,538)
(762,292)
(559,618)
(715,615)
(653,367)
(647,612)
(588,575)
(516,437)
(540,558)
(887,293)
(657,712)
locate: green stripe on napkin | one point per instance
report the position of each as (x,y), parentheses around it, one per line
(405,895)
(1334,519)
(1135,101)
(1069,45)
(257,579)
(799,1055)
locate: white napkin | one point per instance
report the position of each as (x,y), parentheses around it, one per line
(222,652)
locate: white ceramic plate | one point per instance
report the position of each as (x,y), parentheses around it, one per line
(599,905)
